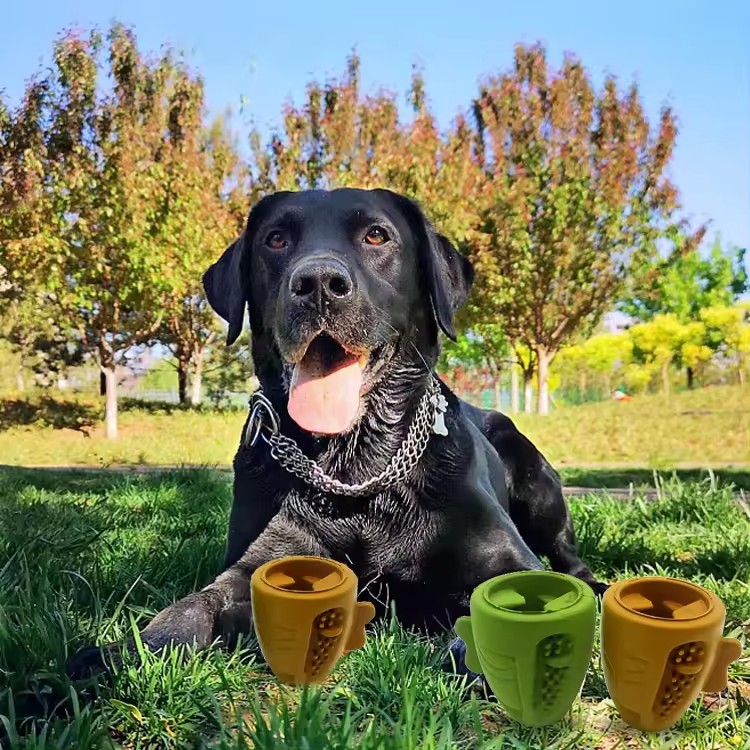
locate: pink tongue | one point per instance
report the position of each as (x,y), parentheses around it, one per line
(325,401)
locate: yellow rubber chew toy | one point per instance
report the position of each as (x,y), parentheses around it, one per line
(661,646)
(306,616)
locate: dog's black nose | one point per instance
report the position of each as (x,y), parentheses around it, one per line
(320,279)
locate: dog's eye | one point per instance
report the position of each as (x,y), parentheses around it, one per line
(376,236)
(276,241)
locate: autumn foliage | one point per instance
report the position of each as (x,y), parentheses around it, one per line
(575,200)
(116,191)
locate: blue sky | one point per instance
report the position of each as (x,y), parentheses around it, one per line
(692,53)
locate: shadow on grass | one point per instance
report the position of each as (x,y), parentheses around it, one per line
(80,552)
(165,408)
(15,479)
(161,514)
(44,411)
(71,414)
(633,552)
(156,408)
(615,478)
(697,531)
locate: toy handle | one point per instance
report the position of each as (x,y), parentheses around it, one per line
(466,633)
(363,613)
(728,650)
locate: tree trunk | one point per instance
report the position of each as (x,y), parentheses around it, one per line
(183,368)
(542,373)
(197,380)
(528,393)
(690,377)
(110,401)
(20,383)
(582,386)
(514,386)
(498,394)
(665,378)
(108,383)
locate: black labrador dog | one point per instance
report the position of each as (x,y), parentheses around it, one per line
(354,449)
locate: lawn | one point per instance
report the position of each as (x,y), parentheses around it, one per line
(703,427)
(84,555)
(707,427)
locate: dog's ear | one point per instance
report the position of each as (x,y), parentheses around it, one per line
(227,282)
(448,273)
(226,290)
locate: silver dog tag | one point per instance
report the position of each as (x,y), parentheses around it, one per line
(441,406)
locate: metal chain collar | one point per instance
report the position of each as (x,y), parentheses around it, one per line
(428,420)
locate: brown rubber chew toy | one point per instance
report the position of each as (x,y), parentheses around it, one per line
(306,616)
(662,645)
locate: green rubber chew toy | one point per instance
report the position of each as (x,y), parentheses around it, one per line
(531,634)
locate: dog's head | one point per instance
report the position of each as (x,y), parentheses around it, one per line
(338,285)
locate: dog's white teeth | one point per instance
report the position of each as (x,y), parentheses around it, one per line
(363,361)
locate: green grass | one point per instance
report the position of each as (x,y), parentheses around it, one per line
(85,556)
(705,428)
(611,478)
(699,428)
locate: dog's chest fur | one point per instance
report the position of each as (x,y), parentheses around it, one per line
(388,533)
(398,548)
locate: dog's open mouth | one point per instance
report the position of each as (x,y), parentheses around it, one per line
(325,388)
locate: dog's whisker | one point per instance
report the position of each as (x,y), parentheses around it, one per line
(363,589)
(378,598)
(420,355)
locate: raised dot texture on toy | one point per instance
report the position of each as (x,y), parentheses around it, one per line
(684,665)
(553,659)
(327,628)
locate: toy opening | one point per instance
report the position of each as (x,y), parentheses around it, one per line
(304,575)
(533,592)
(665,599)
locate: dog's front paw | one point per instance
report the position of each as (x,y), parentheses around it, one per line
(455,661)
(599,587)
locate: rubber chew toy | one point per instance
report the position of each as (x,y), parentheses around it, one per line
(531,634)
(306,616)
(662,645)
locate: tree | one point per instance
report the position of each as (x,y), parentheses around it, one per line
(658,342)
(86,233)
(685,283)
(728,331)
(570,364)
(203,209)
(599,359)
(340,137)
(575,199)
(525,362)
(228,372)
(605,353)
(484,352)
(336,138)
(499,359)
(39,337)
(462,364)
(41,341)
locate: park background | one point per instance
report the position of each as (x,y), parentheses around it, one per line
(593,163)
